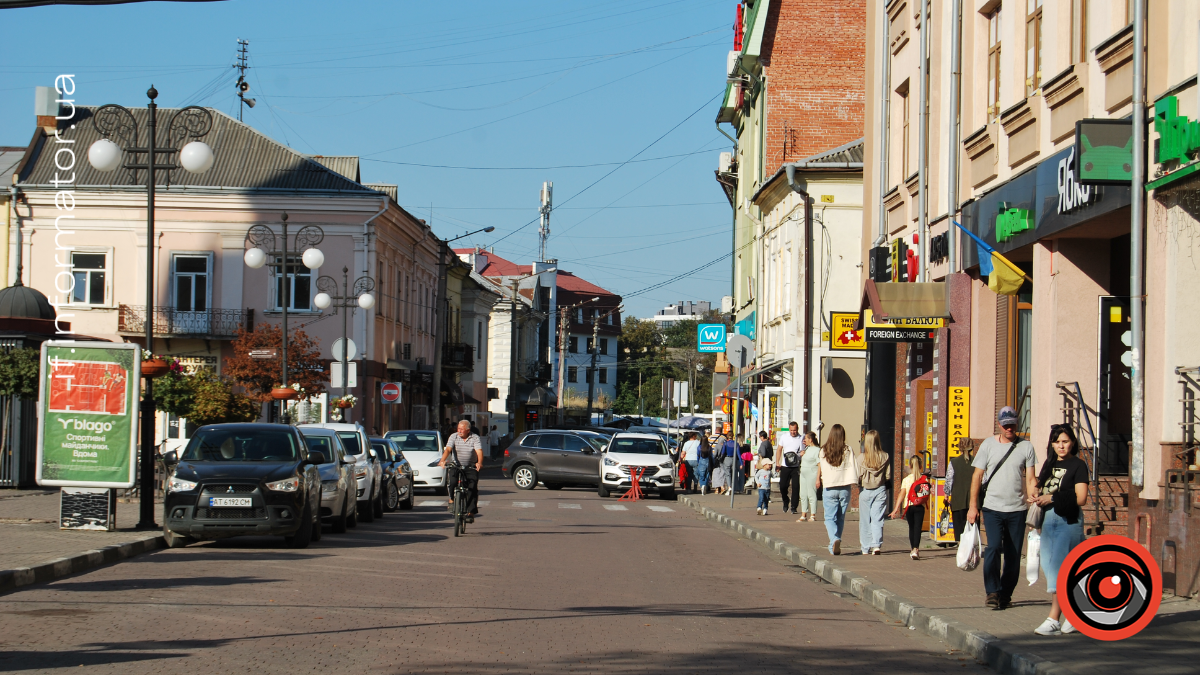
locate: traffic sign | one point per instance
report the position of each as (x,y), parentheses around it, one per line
(337,349)
(735,345)
(710,337)
(390,392)
(264,354)
(335,375)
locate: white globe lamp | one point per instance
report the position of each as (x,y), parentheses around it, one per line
(366,301)
(104,155)
(196,157)
(322,300)
(255,258)
(313,258)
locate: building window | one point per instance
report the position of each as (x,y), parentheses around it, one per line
(297,287)
(574,347)
(1078,31)
(604,346)
(579,315)
(191,283)
(572,374)
(610,318)
(91,278)
(399,295)
(993,85)
(603,375)
(1033,46)
(478,340)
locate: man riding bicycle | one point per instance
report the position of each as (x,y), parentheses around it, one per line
(468,458)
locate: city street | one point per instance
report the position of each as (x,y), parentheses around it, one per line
(546,581)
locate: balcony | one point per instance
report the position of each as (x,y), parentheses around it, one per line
(213,324)
(458,356)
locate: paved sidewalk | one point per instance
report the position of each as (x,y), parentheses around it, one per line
(936,585)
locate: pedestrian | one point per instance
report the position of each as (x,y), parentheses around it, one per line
(726,454)
(704,464)
(838,471)
(875,472)
(1062,489)
(810,469)
(1002,478)
(691,456)
(960,491)
(763,478)
(493,441)
(764,447)
(791,446)
(910,501)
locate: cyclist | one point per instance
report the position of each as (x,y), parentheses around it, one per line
(468,458)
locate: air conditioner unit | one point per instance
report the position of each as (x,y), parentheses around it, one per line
(726,162)
(731,63)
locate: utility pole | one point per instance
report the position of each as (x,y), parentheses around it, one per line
(512,362)
(242,85)
(547,206)
(563,321)
(592,368)
(439,317)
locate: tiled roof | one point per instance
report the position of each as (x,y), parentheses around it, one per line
(499,267)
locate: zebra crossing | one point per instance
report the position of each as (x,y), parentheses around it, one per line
(435,503)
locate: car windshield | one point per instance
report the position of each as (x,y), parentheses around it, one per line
(638,446)
(323,445)
(350,442)
(241,445)
(415,441)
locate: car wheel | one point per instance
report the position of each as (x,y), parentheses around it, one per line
(339,523)
(176,540)
(303,536)
(392,501)
(554,486)
(352,517)
(601,489)
(407,504)
(666,493)
(525,477)
(377,506)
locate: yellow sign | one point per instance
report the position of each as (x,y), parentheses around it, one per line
(941,522)
(928,434)
(826,199)
(918,322)
(843,336)
(958,418)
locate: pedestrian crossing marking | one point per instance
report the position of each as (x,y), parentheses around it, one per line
(569,506)
(615,507)
(484,503)
(661,509)
(523,505)
(432,503)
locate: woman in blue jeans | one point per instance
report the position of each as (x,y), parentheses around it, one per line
(875,473)
(703,464)
(1062,490)
(839,470)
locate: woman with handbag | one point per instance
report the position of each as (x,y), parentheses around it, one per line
(911,499)
(874,474)
(1062,490)
(839,470)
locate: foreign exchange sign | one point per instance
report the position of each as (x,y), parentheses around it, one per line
(959,412)
(900,330)
(87,410)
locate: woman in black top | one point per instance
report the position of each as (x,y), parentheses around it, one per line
(1062,490)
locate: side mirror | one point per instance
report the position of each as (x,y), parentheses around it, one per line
(170,457)
(372,454)
(315,457)
(347,459)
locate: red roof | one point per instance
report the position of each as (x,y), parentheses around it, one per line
(499,267)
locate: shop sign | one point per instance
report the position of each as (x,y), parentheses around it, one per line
(959,416)
(1071,194)
(710,337)
(843,336)
(87,414)
(1178,141)
(1011,222)
(1104,149)
(912,329)
(941,522)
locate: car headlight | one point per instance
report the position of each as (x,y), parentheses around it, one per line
(329,487)
(180,485)
(608,461)
(360,473)
(286,485)
(665,465)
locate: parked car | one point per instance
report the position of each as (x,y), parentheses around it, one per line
(628,451)
(339,503)
(423,450)
(367,468)
(240,479)
(555,457)
(397,475)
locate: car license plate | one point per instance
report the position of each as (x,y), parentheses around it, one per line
(230,501)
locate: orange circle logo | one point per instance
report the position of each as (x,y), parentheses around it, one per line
(1109,587)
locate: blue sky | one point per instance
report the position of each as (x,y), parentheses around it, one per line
(497,86)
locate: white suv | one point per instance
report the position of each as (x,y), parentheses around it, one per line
(630,451)
(367,468)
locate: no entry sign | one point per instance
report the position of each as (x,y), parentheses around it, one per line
(390,392)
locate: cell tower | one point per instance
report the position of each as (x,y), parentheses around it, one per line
(547,206)
(242,85)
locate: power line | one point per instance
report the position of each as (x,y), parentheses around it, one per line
(537,168)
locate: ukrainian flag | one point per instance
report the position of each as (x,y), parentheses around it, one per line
(1004,277)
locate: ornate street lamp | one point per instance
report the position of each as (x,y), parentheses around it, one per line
(187,125)
(357,296)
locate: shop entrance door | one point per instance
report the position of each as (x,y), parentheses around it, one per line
(1114,408)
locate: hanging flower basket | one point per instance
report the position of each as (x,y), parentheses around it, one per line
(344,404)
(284,393)
(153,368)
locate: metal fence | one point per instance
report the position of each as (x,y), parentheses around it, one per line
(168,322)
(18,441)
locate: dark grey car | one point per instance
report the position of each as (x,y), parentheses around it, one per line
(554,457)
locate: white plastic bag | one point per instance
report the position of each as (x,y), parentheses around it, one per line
(1033,556)
(969,548)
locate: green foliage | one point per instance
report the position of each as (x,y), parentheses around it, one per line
(19,372)
(215,402)
(174,392)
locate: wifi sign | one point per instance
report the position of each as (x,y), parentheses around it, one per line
(710,337)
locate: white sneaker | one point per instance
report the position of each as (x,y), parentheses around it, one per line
(1066,628)
(764,512)
(1048,627)
(759,511)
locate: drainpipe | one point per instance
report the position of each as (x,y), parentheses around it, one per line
(733,230)
(952,166)
(885,109)
(808,219)
(368,334)
(8,219)
(923,150)
(1136,245)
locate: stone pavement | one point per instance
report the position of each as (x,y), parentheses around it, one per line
(936,584)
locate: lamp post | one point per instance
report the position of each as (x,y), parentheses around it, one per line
(439,319)
(114,121)
(360,295)
(260,237)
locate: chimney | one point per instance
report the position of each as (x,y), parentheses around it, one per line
(45,106)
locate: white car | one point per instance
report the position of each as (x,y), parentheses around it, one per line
(423,450)
(368,471)
(627,452)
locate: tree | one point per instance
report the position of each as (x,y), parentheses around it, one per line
(214,402)
(19,372)
(259,376)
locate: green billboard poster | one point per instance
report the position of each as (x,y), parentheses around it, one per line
(1104,152)
(88,413)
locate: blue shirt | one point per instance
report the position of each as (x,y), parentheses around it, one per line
(729,449)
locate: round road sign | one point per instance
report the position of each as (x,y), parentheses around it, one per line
(390,392)
(337,349)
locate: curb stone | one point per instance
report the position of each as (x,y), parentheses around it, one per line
(50,570)
(985,647)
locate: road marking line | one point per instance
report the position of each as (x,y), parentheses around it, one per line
(484,503)
(523,505)
(615,507)
(569,506)
(432,503)
(661,509)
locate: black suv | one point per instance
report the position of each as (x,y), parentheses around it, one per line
(556,457)
(238,479)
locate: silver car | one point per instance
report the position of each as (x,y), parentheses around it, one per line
(367,469)
(339,505)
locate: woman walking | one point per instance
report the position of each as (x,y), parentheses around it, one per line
(810,468)
(1062,490)
(910,500)
(703,464)
(874,475)
(838,471)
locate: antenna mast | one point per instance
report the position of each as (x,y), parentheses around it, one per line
(545,209)
(242,85)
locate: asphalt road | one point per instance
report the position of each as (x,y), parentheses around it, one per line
(547,581)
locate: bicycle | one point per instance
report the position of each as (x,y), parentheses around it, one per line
(459,499)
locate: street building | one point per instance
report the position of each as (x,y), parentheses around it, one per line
(671,315)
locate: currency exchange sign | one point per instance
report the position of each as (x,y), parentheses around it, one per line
(88,414)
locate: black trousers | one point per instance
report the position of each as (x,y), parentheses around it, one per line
(471,478)
(960,522)
(789,480)
(915,515)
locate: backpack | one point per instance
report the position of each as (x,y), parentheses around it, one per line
(918,493)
